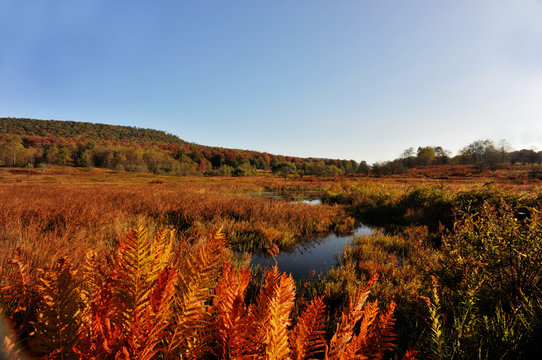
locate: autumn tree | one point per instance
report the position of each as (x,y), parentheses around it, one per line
(284,169)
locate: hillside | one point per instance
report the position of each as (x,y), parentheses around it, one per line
(33,143)
(83,130)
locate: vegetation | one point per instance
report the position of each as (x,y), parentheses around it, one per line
(82,130)
(39,143)
(487,294)
(44,221)
(149,303)
(458,255)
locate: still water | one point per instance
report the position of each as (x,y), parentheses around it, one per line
(318,255)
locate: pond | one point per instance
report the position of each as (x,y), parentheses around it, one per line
(315,201)
(305,197)
(316,256)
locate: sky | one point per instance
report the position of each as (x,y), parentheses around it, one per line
(346,79)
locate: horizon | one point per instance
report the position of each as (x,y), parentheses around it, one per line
(349,80)
(502,144)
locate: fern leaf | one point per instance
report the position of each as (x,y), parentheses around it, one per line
(229,312)
(279,319)
(198,272)
(384,338)
(306,337)
(345,330)
(158,316)
(92,277)
(58,321)
(357,346)
(269,317)
(138,263)
(410,355)
(161,248)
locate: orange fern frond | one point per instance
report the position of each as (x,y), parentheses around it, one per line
(355,348)
(382,338)
(229,311)
(370,341)
(306,337)
(270,317)
(280,306)
(410,355)
(58,321)
(345,329)
(125,313)
(93,279)
(198,272)
(137,265)
(147,332)
(161,248)
(161,296)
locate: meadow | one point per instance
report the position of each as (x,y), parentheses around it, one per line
(108,264)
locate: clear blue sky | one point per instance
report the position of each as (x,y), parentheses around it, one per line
(357,79)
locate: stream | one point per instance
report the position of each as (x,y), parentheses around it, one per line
(318,255)
(314,256)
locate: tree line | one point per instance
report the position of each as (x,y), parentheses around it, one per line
(173,159)
(37,143)
(484,154)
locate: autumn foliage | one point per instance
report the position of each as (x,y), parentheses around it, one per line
(154,298)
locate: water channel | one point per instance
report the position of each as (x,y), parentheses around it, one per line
(311,257)
(318,255)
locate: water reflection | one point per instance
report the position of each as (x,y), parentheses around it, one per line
(315,201)
(306,197)
(317,255)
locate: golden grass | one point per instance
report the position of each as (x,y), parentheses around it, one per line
(45,221)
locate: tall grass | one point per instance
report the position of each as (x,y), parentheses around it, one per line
(48,220)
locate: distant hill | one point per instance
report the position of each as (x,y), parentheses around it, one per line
(85,131)
(30,142)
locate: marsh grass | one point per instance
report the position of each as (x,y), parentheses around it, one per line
(45,221)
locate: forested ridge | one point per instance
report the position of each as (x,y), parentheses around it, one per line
(38,143)
(84,131)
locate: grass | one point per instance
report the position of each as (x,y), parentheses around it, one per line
(44,216)
(47,220)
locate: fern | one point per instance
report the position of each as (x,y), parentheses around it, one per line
(101,337)
(127,311)
(58,321)
(147,332)
(135,271)
(145,307)
(199,270)
(345,330)
(437,345)
(361,340)
(278,316)
(306,339)
(374,336)
(382,338)
(229,312)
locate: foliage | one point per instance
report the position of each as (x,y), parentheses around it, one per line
(76,129)
(284,169)
(126,148)
(146,303)
(46,221)
(431,205)
(488,298)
